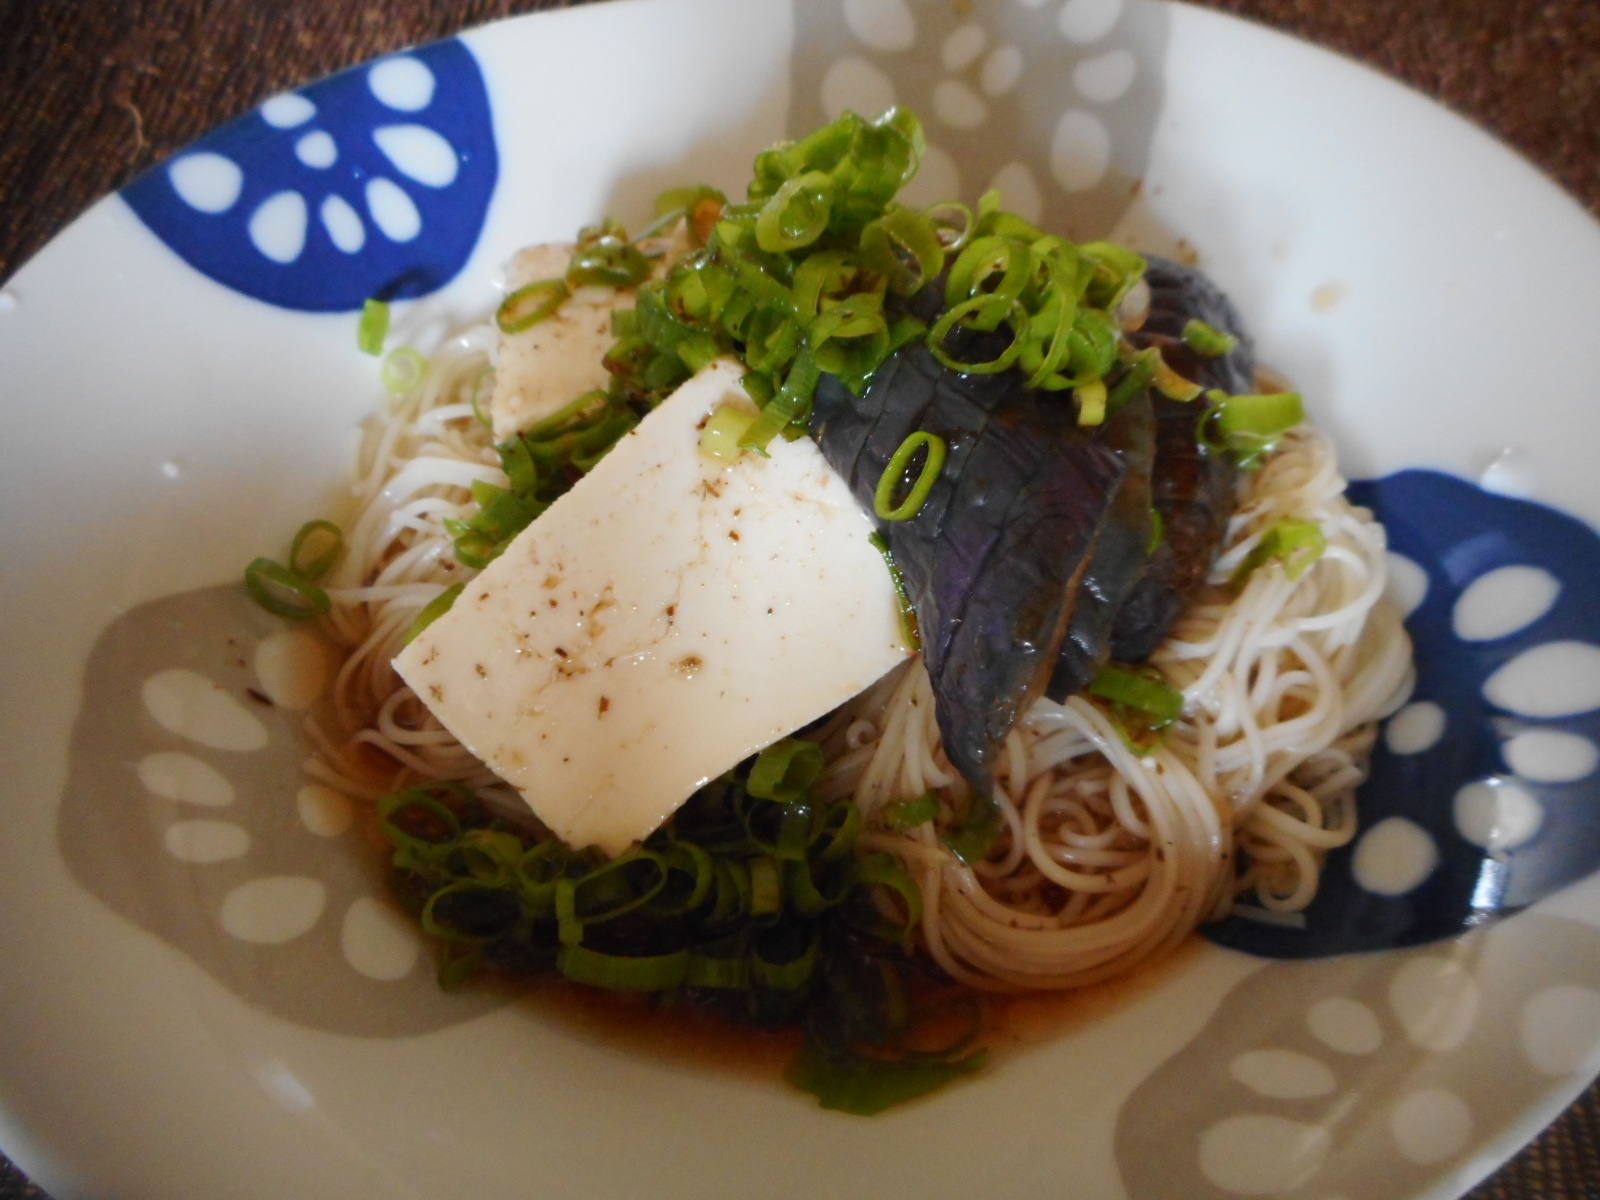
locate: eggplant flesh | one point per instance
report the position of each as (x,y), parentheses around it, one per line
(1119,556)
(1030,562)
(1192,485)
(994,558)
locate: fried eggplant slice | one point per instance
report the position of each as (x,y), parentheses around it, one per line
(994,558)
(1120,555)
(1192,488)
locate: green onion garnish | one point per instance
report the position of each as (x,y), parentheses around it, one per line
(1172,385)
(482,390)
(291,591)
(1207,340)
(785,771)
(373,330)
(720,437)
(435,608)
(1147,692)
(909,628)
(1297,544)
(284,591)
(900,463)
(1092,402)
(623,972)
(527,306)
(1249,427)
(403,370)
(904,814)
(313,534)
(979,829)
(604,257)
(864,1086)
(796,214)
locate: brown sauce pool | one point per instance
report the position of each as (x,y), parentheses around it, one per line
(696,1039)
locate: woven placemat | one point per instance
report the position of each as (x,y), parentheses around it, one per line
(92,94)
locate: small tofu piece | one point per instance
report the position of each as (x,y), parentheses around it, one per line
(665,619)
(550,364)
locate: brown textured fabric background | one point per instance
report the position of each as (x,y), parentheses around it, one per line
(92,92)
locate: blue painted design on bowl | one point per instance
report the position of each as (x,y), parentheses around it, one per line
(393,164)
(1457,534)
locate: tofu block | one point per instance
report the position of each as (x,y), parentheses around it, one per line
(665,619)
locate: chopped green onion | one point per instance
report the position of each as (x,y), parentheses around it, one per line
(403,370)
(953,222)
(1297,544)
(604,257)
(785,771)
(1249,427)
(284,591)
(785,975)
(900,463)
(909,628)
(483,383)
(883,870)
(984,310)
(791,403)
(1141,370)
(904,814)
(1172,385)
(904,246)
(975,836)
(863,1086)
(622,972)
(709,971)
(1148,692)
(309,534)
(435,608)
(527,306)
(373,329)
(1091,402)
(893,479)
(720,437)
(766,886)
(796,214)
(1207,340)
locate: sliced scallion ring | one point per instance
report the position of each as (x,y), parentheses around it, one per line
(1207,340)
(720,437)
(797,213)
(623,972)
(309,536)
(483,390)
(403,370)
(1295,543)
(527,306)
(892,479)
(284,591)
(433,610)
(1146,692)
(906,814)
(373,329)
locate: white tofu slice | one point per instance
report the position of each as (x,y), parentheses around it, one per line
(666,618)
(548,365)
(554,362)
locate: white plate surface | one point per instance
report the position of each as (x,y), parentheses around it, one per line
(161,430)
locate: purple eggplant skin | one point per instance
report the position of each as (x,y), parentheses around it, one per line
(1120,555)
(993,560)
(1193,485)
